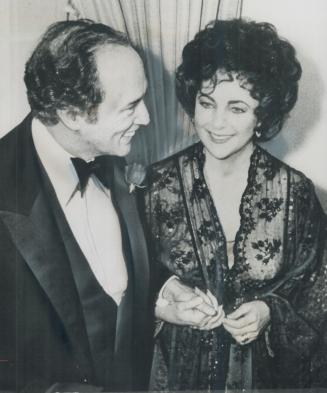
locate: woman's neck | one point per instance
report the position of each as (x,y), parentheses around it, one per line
(234,165)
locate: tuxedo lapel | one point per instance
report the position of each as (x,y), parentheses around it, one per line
(99,309)
(26,212)
(127,206)
(133,308)
(36,238)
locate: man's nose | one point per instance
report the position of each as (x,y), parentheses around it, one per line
(143,117)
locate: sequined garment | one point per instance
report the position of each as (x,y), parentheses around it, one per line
(277,258)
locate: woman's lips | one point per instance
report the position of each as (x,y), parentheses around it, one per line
(219,138)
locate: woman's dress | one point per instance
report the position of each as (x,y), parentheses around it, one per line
(278,253)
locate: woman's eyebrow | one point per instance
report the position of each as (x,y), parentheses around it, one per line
(238,102)
(206,96)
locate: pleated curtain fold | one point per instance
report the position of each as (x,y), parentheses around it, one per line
(160,28)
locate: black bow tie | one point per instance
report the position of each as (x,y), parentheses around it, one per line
(101,167)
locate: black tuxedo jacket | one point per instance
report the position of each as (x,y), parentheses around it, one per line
(43,334)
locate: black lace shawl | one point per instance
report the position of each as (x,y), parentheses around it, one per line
(278,259)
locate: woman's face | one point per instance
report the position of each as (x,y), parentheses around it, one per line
(224,117)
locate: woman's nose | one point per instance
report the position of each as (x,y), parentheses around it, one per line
(219,119)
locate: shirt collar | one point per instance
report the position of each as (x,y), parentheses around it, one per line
(56,162)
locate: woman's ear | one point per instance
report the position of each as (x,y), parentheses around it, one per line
(70,118)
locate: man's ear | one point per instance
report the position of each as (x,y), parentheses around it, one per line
(70,118)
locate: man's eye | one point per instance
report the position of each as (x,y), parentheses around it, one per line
(237,109)
(130,108)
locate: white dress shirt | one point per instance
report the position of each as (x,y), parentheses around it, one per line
(92,218)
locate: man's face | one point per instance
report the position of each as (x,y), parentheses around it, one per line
(122,112)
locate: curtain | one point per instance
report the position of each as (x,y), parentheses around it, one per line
(22,22)
(160,28)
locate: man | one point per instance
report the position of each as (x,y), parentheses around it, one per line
(74,269)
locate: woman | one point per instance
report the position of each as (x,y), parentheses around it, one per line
(230,220)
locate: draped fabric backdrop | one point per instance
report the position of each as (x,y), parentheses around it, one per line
(166,26)
(160,28)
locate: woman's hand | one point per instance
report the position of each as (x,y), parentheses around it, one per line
(247,322)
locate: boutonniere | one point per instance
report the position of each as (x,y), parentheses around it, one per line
(135,176)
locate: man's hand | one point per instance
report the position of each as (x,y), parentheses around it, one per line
(211,321)
(188,307)
(247,322)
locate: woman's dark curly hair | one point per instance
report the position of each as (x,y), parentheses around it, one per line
(61,72)
(264,63)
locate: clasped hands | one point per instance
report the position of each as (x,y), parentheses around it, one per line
(193,307)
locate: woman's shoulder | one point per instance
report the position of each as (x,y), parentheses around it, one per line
(169,166)
(270,161)
(274,166)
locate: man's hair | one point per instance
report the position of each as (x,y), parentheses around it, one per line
(251,52)
(62,73)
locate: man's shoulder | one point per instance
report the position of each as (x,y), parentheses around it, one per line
(16,162)
(13,148)
(12,139)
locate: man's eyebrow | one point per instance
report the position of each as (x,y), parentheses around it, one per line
(135,101)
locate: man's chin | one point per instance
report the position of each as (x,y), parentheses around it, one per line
(124,150)
(120,151)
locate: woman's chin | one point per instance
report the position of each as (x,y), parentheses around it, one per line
(223,152)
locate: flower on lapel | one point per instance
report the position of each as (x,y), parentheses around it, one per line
(135,175)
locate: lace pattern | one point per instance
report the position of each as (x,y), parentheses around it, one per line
(276,253)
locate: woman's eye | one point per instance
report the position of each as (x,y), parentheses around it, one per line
(206,104)
(237,109)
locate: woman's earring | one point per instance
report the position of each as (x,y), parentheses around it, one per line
(257,130)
